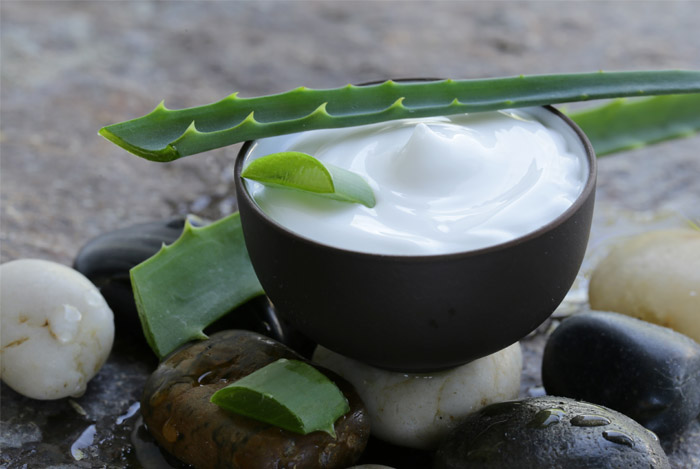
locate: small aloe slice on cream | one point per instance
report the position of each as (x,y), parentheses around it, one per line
(300,171)
(289,394)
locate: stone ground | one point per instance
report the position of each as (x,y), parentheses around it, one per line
(69,68)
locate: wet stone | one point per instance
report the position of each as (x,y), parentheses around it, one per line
(546,417)
(177,410)
(648,372)
(503,435)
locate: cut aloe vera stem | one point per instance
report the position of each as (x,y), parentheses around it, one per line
(289,394)
(166,135)
(303,172)
(193,282)
(624,124)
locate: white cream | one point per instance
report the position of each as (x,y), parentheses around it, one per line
(442,184)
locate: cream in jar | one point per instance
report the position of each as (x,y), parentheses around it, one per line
(442,184)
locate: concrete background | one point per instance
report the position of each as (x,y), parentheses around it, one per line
(70,67)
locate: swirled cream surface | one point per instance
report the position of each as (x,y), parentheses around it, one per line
(442,184)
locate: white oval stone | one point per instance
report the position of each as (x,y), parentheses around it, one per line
(56,329)
(418,409)
(654,276)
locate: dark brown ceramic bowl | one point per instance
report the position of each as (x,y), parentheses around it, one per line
(420,313)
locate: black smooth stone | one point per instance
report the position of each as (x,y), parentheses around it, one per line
(551,432)
(645,371)
(109,256)
(259,315)
(107,259)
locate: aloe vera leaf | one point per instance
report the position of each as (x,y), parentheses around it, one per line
(289,394)
(166,135)
(301,171)
(624,124)
(193,282)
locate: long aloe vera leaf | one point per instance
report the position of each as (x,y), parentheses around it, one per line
(301,171)
(166,135)
(193,282)
(624,124)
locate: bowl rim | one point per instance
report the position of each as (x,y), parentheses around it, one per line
(586,192)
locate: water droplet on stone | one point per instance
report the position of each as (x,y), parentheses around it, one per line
(157,397)
(618,437)
(500,408)
(84,440)
(169,431)
(546,417)
(148,453)
(203,377)
(133,408)
(589,421)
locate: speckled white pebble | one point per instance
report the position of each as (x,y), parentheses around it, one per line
(418,409)
(56,329)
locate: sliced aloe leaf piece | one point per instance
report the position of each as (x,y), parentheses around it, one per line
(623,124)
(166,135)
(303,172)
(289,394)
(191,283)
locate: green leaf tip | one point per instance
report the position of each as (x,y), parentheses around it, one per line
(303,172)
(290,394)
(165,135)
(203,275)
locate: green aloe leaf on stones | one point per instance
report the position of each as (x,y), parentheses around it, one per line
(203,275)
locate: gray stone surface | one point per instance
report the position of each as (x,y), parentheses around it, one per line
(69,68)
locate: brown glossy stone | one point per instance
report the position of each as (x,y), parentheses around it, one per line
(177,411)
